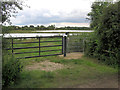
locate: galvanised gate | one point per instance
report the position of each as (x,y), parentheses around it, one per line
(38,46)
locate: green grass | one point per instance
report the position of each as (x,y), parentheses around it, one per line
(19,31)
(79,71)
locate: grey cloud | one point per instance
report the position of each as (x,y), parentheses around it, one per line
(37,17)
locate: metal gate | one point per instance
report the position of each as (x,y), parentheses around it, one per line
(75,44)
(37,46)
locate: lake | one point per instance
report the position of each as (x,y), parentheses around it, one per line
(50,33)
(66,31)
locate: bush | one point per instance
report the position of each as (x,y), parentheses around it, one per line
(106,43)
(11,67)
(11,70)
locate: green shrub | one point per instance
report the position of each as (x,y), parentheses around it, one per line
(10,70)
(106,42)
(11,67)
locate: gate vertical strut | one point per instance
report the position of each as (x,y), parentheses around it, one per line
(64,46)
(39,46)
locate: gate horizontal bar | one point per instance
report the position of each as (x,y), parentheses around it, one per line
(51,46)
(39,56)
(25,42)
(51,37)
(50,41)
(33,47)
(36,42)
(37,51)
(33,37)
(51,50)
(26,52)
(21,48)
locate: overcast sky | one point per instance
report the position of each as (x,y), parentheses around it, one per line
(54,12)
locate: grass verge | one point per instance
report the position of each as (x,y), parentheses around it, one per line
(79,72)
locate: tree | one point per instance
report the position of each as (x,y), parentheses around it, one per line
(38,27)
(97,11)
(42,27)
(31,26)
(51,27)
(9,9)
(106,41)
(10,66)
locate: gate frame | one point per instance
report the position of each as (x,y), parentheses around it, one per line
(64,43)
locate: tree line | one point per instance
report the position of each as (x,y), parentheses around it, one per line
(42,27)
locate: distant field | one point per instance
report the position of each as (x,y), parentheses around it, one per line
(20,31)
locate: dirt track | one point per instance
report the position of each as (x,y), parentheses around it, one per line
(104,82)
(45,66)
(101,82)
(75,55)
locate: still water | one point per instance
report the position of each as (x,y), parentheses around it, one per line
(66,31)
(50,33)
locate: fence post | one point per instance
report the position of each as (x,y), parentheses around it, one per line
(65,43)
(83,45)
(12,46)
(62,44)
(39,46)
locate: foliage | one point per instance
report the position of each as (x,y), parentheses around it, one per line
(11,66)
(105,44)
(9,8)
(51,27)
(42,27)
(97,10)
(11,70)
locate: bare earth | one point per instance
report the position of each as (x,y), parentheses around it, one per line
(51,66)
(45,66)
(75,55)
